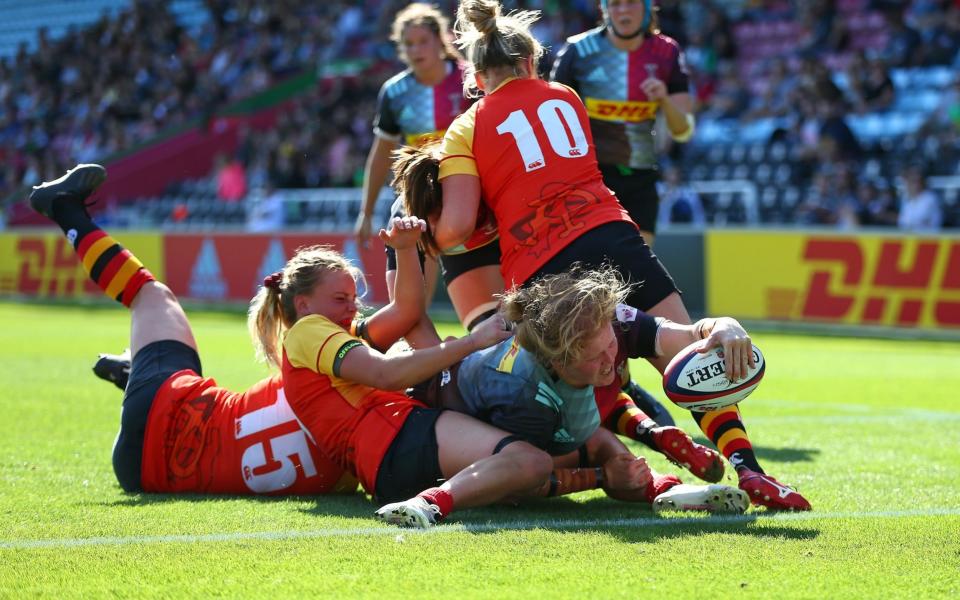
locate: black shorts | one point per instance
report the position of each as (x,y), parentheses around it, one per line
(455,265)
(412,462)
(151,367)
(618,244)
(636,189)
(441,391)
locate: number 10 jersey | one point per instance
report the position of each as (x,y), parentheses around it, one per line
(529,143)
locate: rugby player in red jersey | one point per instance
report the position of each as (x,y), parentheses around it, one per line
(180,431)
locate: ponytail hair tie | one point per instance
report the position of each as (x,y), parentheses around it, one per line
(273,281)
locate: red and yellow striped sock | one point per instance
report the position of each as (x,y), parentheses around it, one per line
(725,429)
(112,267)
(628,420)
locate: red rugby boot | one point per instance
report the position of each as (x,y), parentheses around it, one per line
(682,451)
(764,490)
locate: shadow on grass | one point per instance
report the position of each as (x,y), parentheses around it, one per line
(629,522)
(786,455)
(342,505)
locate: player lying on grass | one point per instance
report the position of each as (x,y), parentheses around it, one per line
(418,172)
(181,433)
(555,381)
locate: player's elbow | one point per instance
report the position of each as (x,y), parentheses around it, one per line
(452,234)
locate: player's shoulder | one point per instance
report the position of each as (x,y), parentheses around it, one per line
(665,42)
(625,313)
(557,86)
(312,326)
(587,42)
(398,84)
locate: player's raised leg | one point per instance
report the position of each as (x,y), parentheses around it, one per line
(156,313)
(158,323)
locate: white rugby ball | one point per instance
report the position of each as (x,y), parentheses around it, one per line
(696,381)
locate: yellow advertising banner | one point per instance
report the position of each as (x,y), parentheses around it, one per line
(44,264)
(860,279)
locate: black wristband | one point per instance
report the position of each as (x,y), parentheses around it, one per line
(553,484)
(598,471)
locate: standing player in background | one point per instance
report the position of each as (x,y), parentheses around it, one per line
(525,150)
(626,71)
(413,108)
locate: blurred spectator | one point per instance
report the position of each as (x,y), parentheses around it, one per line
(778,91)
(730,99)
(944,120)
(819,205)
(231,178)
(920,208)
(942,43)
(823,30)
(679,203)
(873,207)
(837,141)
(904,43)
(872,88)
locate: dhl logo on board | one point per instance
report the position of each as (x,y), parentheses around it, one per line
(630,111)
(902,283)
(869,280)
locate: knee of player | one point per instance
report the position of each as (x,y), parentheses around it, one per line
(532,465)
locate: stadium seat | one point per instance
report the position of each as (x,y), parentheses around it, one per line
(763,173)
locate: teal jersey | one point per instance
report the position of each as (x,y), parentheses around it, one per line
(506,386)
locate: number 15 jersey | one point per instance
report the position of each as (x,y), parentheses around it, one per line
(203,438)
(529,142)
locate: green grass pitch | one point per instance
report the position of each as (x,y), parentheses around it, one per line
(868,430)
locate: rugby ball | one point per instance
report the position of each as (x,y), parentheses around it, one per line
(696,381)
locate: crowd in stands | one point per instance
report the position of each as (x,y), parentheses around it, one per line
(810,76)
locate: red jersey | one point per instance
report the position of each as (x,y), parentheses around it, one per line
(352,423)
(206,439)
(532,149)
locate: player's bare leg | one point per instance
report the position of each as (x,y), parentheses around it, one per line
(473,294)
(476,476)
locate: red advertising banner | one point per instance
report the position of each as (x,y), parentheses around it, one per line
(230,267)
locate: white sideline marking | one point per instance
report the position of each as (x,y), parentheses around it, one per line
(468,528)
